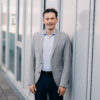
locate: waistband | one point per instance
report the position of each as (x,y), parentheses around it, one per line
(46,72)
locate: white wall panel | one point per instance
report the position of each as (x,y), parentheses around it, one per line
(68,16)
(36,16)
(96,55)
(52,4)
(81,50)
(27,41)
(67,24)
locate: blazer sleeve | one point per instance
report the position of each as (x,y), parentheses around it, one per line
(66,63)
(32,64)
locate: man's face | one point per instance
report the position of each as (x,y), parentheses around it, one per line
(50,20)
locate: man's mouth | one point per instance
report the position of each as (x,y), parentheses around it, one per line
(50,24)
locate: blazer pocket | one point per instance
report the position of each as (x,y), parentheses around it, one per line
(59,68)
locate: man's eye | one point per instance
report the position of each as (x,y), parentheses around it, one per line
(47,18)
(52,18)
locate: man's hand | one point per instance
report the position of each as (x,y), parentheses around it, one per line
(61,90)
(32,88)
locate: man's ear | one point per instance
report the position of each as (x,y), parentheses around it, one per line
(43,20)
(57,20)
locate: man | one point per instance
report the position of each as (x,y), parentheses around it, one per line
(51,60)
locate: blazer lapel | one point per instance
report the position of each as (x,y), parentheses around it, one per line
(41,44)
(55,41)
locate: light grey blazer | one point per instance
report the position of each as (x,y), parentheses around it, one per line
(61,58)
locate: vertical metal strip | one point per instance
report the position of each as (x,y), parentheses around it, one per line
(0,32)
(23,43)
(7,37)
(43,10)
(92,49)
(60,5)
(88,51)
(74,54)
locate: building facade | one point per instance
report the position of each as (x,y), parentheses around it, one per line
(20,19)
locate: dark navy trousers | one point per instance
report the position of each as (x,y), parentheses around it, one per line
(46,85)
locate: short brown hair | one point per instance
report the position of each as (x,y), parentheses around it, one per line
(50,10)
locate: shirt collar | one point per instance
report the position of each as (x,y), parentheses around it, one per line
(47,34)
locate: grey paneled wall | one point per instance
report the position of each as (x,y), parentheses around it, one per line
(81,50)
(96,56)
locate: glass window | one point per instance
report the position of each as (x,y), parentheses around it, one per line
(20,20)
(11,34)
(3,51)
(4,29)
(19,60)
(3,34)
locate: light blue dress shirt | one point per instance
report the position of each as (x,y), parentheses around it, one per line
(47,51)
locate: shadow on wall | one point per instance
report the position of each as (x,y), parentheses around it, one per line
(79,39)
(79,43)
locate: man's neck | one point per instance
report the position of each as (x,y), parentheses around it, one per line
(49,32)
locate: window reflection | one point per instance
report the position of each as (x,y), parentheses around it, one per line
(3,51)
(11,34)
(4,29)
(20,19)
(18,64)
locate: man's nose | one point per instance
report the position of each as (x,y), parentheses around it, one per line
(50,20)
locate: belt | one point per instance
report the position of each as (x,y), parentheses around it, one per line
(46,72)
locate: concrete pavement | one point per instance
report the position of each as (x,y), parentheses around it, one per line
(6,90)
